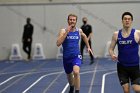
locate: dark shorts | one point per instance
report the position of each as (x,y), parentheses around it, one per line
(128,74)
(68,63)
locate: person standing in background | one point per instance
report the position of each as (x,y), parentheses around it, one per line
(87,30)
(27,37)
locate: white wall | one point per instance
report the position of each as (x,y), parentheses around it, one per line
(105,19)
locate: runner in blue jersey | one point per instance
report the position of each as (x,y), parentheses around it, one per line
(69,38)
(128,40)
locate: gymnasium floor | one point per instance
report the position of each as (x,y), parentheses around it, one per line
(47,76)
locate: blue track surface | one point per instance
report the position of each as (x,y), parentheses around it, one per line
(47,76)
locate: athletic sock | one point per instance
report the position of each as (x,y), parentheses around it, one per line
(71,89)
(76,91)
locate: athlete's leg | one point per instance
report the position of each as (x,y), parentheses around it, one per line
(136,82)
(136,88)
(123,78)
(126,88)
(76,70)
(135,78)
(68,67)
(71,82)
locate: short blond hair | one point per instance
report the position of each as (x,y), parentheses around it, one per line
(73,16)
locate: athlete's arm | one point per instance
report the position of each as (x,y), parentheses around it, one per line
(137,36)
(84,37)
(62,35)
(112,46)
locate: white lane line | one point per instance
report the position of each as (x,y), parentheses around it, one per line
(39,80)
(35,72)
(9,67)
(5,81)
(93,78)
(48,75)
(67,85)
(12,77)
(65,88)
(103,80)
(45,91)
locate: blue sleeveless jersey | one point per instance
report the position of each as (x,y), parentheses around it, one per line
(128,50)
(71,45)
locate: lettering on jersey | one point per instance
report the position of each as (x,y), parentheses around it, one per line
(72,37)
(80,56)
(125,42)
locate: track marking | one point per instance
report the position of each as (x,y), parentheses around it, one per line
(32,70)
(93,78)
(12,78)
(66,86)
(103,80)
(39,80)
(1,72)
(45,91)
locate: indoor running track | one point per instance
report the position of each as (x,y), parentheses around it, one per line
(48,76)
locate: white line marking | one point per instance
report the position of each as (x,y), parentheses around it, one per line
(66,86)
(8,68)
(35,72)
(45,91)
(44,76)
(12,78)
(103,80)
(39,80)
(93,78)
